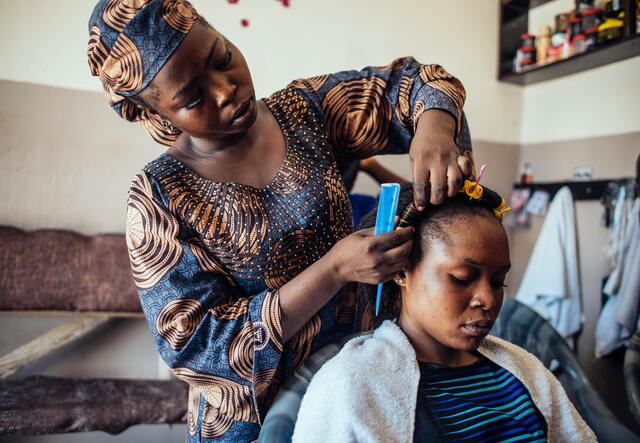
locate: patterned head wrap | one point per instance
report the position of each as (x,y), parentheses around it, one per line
(129,42)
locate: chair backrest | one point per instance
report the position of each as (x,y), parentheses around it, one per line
(517,324)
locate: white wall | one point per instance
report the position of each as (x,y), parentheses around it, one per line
(44,41)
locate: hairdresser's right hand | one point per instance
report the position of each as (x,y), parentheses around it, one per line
(366,258)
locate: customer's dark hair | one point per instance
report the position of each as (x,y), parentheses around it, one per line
(432,223)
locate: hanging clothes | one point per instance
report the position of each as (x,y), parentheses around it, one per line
(551,282)
(619,317)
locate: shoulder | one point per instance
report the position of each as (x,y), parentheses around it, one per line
(386,350)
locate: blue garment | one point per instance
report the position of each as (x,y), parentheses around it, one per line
(481,402)
(208,257)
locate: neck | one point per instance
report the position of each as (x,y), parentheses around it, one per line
(430,350)
(236,145)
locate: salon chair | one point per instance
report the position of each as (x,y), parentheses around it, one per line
(517,324)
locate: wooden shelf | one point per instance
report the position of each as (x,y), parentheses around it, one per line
(514,21)
(613,52)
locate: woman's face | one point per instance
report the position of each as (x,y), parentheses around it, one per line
(452,296)
(205,88)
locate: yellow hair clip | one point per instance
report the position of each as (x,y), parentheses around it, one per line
(501,210)
(472,189)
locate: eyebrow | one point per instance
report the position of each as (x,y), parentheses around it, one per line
(477,263)
(191,82)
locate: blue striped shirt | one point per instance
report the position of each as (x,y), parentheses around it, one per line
(481,402)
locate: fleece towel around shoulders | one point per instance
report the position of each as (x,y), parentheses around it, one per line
(367,392)
(551,282)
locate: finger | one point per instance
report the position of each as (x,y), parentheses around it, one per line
(398,255)
(438,184)
(367,232)
(420,178)
(466,166)
(454,180)
(393,239)
(396,221)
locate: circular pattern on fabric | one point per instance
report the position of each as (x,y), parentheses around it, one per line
(117,13)
(214,424)
(418,109)
(270,315)
(263,380)
(302,341)
(292,175)
(178,320)
(403,107)
(358,116)
(313,83)
(346,306)
(228,400)
(394,65)
(151,235)
(241,352)
(122,70)
(293,108)
(288,257)
(96,52)
(180,15)
(339,207)
(261,335)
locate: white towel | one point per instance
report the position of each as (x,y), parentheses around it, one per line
(619,317)
(367,392)
(551,282)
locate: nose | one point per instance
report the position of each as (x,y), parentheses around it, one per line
(222,89)
(485,297)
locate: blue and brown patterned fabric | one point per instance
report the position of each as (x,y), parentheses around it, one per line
(209,257)
(129,42)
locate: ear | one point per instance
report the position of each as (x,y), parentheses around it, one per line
(400,278)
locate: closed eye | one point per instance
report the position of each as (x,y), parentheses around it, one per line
(460,282)
(194,102)
(225,62)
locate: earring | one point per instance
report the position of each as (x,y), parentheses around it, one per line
(167,126)
(400,281)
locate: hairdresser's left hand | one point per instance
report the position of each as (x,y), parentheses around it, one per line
(437,168)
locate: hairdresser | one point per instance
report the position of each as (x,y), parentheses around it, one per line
(240,234)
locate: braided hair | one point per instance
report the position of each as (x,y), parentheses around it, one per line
(431,224)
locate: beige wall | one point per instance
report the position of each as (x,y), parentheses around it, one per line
(598,102)
(44,42)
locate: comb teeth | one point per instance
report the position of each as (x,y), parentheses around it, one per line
(408,216)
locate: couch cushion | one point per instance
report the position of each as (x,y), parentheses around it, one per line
(50,405)
(63,270)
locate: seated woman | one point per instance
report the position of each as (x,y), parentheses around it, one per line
(430,371)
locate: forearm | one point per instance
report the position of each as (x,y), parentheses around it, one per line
(307,293)
(379,173)
(436,122)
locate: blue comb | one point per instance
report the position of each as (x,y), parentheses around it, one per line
(387,206)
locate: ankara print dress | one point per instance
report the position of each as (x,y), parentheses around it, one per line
(208,257)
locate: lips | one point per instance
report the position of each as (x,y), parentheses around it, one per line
(241,113)
(478,328)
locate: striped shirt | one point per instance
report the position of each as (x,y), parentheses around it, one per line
(481,402)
